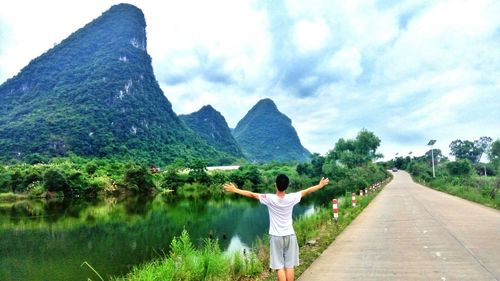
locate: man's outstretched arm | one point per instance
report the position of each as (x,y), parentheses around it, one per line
(231,187)
(312,189)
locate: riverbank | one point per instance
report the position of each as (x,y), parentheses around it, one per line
(11,196)
(314,234)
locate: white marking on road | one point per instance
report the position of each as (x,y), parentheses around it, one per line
(425,231)
(425,247)
(443,278)
(438,254)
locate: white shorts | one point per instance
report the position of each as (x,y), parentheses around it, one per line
(283,251)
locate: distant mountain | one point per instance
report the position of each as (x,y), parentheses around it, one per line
(211,126)
(95,94)
(265,134)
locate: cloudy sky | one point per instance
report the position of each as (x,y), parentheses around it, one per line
(409,71)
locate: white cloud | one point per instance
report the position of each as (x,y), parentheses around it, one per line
(310,35)
(345,63)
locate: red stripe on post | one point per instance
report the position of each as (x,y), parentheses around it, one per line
(335,209)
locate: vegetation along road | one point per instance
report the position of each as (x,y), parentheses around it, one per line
(410,232)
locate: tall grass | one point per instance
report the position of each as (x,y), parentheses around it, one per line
(185,262)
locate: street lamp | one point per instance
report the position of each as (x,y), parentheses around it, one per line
(431,143)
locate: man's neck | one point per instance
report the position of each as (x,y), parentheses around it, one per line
(280,194)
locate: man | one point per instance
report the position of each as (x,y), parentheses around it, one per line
(283,247)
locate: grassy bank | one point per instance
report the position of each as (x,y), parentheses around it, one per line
(482,190)
(314,233)
(11,196)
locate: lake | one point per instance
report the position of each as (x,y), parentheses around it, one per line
(49,240)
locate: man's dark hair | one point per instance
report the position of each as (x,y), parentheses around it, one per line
(282,182)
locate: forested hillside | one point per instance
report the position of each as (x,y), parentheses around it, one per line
(95,94)
(265,134)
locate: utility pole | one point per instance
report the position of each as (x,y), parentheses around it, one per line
(431,143)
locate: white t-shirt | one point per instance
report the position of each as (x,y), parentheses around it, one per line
(280,212)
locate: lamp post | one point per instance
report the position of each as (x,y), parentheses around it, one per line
(431,143)
(486,149)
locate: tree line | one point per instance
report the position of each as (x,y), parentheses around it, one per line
(350,165)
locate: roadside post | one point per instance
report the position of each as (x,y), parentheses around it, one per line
(353,199)
(335,210)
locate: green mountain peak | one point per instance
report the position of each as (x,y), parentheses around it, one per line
(95,94)
(212,127)
(265,134)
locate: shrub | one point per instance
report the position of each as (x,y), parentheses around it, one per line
(184,256)
(55,180)
(172,180)
(215,266)
(139,179)
(460,167)
(101,183)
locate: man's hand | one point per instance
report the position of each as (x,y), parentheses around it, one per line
(323,182)
(230,187)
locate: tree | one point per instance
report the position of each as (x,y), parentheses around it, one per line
(198,171)
(55,180)
(438,156)
(482,143)
(494,153)
(470,150)
(357,152)
(317,162)
(312,169)
(139,179)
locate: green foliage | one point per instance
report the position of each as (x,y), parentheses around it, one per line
(313,168)
(494,154)
(185,262)
(421,170)
(482,190)
(215,265)
(198,171)
(486,169)
(470,150)
(307,228)
(55,180)
(183,253)
(460,177)
(357,152)
(459,168)
(139,179)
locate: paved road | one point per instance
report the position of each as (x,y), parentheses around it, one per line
(410,232)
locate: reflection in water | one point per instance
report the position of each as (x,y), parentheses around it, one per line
(309,211)
(236,245)
(49,240)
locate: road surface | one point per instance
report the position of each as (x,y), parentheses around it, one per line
(410,232)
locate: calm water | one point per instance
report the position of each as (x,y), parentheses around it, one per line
(42,240)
